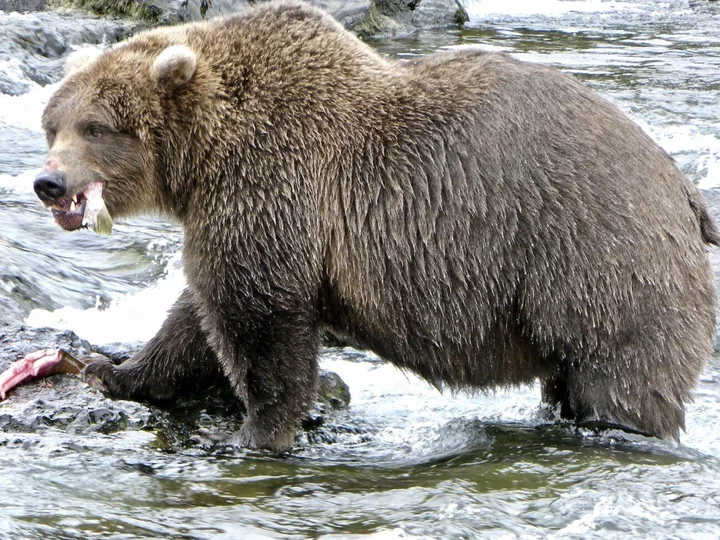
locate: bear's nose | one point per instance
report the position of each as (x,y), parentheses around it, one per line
(50,185)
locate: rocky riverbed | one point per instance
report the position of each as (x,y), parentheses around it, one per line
(64,402)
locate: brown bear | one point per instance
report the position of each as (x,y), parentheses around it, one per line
(478,220)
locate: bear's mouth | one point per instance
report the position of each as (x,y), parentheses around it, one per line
(86,209)
(70,211)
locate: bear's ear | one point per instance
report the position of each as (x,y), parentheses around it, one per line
(174,67)
(77,60)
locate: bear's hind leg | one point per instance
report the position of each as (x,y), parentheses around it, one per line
(638,399)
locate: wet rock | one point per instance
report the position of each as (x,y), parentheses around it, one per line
(393,17)
(64,402)
(438,13)
(348,12)
(139,10)
(61,401)
(119,352)
(17,340)
(332,391)
(156,11)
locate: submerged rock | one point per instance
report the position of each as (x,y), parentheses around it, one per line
(65,402)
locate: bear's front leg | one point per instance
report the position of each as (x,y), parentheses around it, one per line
(177,360)
(271,360)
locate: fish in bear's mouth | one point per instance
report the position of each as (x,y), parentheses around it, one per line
(85,209)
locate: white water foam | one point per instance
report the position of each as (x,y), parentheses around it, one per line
(678,140)
(712,176)
(133,317)
(25,111)
(22,183)
(479,9)
(411,419)
(12,68)
(685,139)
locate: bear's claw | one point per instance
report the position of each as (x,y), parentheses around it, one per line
(99,374)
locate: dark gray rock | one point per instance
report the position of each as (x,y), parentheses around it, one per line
(17,340)
(390,17)
(372,16)
(119,352)
(397,9)
(333,391)
(64,402)
(61,401)
(438,13)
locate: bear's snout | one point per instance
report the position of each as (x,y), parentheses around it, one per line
(50,185)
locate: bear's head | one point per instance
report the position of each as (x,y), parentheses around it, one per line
(102,127)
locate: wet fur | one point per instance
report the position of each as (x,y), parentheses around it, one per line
(478,220)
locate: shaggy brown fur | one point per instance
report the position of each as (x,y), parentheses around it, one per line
(478,220)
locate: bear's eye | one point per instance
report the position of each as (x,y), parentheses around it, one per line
(50,135)
(95,131)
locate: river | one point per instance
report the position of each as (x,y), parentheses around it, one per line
(404,460)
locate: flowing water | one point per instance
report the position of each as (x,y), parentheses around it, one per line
(406,461)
